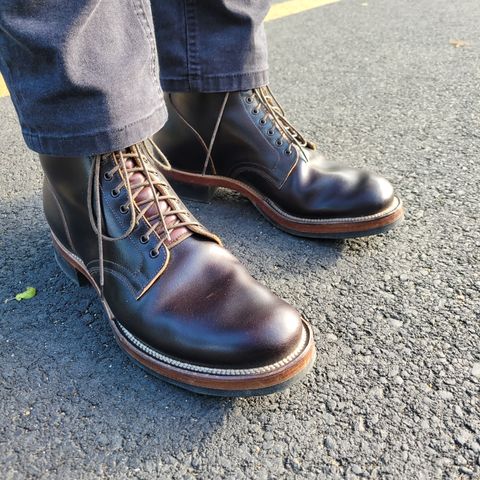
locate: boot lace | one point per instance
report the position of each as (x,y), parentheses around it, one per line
(136,159)
(269,105)
(275,112)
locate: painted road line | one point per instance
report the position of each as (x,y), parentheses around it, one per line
(3,88)
(291,7)
(278,10)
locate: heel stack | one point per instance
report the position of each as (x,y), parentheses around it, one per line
(191,191)
(73,274)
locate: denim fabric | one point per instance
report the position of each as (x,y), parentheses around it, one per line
(83,74)
(211,45)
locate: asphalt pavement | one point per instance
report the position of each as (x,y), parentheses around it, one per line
(395,394)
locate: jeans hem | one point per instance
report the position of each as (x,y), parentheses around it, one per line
(102,141)
(217,83)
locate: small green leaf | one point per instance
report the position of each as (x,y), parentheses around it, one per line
(30,292)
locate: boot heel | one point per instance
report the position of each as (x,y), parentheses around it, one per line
(73,274)
(200,193)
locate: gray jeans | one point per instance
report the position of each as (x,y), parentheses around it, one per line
(84,75)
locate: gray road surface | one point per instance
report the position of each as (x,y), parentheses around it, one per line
(395,391)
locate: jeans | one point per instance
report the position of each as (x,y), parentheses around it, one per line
(84,75)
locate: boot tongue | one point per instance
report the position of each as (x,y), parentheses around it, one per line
(147,194)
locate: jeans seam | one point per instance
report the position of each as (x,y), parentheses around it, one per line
(193,64)
(225,83)
(91,133)
(223,75)
(139,9)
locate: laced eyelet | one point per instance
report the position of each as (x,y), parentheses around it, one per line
(279,142)
(288,151)
(144,239)
(123,209)
(249,100)
(255,111)
(107,176)
(263,121)
(154,253)
(115,192)
(270,132)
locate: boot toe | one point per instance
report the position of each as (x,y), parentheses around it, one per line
(223,318)
(375,195)
(276,336)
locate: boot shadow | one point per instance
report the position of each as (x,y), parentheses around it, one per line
(59,357)
(261,246)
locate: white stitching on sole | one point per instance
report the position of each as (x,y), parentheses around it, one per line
(330,221)
(214,371)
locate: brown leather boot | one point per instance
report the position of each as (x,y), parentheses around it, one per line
(242,141)
(177,301)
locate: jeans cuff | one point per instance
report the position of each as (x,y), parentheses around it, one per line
(101,141)
(216,83)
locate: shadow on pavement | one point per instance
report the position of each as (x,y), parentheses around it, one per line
(58,351)
(250,235)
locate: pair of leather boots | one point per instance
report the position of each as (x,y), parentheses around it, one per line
(178,302)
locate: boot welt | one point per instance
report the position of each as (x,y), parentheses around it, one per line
(202,187)
(197,378)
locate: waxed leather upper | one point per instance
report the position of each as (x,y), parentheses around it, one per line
(204,308)
(305,186)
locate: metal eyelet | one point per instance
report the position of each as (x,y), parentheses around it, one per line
(107,176)
(115,192)
(249,100)
(144,239)
(279,142)
(288,151)
(154,253)
(124,209)
(263,121)
(255,111)
(270,132)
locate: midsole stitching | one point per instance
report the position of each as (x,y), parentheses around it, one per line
(214,371)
